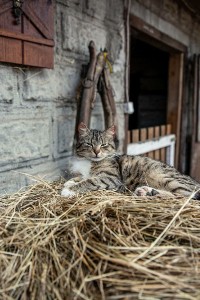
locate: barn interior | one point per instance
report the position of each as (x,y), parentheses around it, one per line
(148,84)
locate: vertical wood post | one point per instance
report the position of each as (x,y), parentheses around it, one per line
(175,87)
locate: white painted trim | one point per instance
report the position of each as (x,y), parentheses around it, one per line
(167,141)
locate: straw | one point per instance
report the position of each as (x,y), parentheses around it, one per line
(100,245)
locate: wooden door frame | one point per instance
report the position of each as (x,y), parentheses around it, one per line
(175,95)
(177,51)
(194,165)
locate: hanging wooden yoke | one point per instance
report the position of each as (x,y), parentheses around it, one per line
(96,79)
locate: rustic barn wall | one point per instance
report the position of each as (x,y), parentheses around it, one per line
(38,106)
(171,18)
(174,19)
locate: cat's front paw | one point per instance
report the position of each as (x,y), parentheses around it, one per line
(66,192)
(73,181)
(146,191)
(70,183)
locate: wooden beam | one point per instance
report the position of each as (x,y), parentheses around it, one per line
(198,105)
(25,37)
(150,32)
(195,152)
(174,107)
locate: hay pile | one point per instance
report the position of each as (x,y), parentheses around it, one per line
(101,245)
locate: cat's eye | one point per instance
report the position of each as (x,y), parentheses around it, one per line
(104,145)
(88,144)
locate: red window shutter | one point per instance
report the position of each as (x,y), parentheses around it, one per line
(30,42)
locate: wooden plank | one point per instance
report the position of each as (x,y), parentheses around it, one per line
(168,129)
(195,158)
(163,130)
(150,134)
(7,20)
(24,37)
(135,135)
(38,55)
(156,131)
(157,135)
(195,165)
(143,134)
(198,105)
(175,86)
(32,14)
(5,6)
(10,50)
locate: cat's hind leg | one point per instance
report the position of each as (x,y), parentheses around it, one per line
(149,191)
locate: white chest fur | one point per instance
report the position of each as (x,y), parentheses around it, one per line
(81,166)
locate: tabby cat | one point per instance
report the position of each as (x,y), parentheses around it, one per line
(102,168)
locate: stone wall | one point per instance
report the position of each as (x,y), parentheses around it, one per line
(38,106)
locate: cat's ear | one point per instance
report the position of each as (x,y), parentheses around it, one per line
(82,129)
(111,130)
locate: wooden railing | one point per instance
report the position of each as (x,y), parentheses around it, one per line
(155,142)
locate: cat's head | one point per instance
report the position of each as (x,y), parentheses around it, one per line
(94,144)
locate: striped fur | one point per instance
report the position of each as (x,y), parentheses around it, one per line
(107,170)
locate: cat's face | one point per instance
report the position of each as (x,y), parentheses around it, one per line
(95,145)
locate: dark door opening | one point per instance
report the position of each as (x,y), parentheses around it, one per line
(156,84)
(148,84)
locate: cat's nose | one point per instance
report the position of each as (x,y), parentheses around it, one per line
(96,150)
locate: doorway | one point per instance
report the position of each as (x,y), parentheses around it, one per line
(156,82)
(148,85)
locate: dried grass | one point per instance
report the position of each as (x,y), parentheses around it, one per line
(101,245)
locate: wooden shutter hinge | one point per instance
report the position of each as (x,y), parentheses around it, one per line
(17,10)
